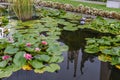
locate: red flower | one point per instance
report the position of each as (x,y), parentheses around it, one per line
(28,44)
(27,56)
(5,57)
(44,42)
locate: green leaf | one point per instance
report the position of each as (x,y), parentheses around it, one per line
(52,68)
(29,49)
(3,63)
(44,58)
(70,28)
(11,50)
(92,49)
(39,70)
(115,60)
(56,59)
(5,73)
(36,64)
(19,59)
(12,68)
(54,49)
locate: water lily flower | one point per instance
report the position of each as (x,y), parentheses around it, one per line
(28,44)
(26,67)
(44,42)
(27,56)
(37,49)
(5,57)
(82,22)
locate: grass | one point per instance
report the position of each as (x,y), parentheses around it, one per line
(76,3)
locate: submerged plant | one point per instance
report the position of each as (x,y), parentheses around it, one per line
(23,9)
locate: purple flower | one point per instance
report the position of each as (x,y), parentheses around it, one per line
(82,22)
(37,49)
(44,42)
(28,44)
(27,56)
(5,57)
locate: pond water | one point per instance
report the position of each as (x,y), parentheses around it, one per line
(77,64)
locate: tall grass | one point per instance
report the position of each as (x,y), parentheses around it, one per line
(23,9)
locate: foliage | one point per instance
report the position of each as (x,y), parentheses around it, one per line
(107,48)
(103,25)
(71,21)
(25,47)
(45,57)
(23,9)
(3,21)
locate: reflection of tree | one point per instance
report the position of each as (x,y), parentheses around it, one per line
(76,41)
(86,57)
(105,71)
(115,74)
(109,72)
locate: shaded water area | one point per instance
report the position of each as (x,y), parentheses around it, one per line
(77,64)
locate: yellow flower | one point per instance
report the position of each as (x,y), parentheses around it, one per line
(117,66)
(108,58)
(27,67)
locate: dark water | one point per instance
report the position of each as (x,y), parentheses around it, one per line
(77,64)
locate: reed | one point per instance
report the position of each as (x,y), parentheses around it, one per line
(23,9)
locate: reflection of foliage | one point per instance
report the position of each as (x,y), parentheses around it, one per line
(76,42)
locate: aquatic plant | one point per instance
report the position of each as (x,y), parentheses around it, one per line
(34,46)
(23,9)
(102,25)
(107,49)
(39,55)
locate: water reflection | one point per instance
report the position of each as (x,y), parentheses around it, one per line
(76,42)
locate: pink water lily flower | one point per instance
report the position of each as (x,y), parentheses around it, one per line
(27,56)
(37,49)
(28,44)
(5,57)
(44,42)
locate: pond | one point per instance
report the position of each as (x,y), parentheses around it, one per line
(38,44)
(77,64)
